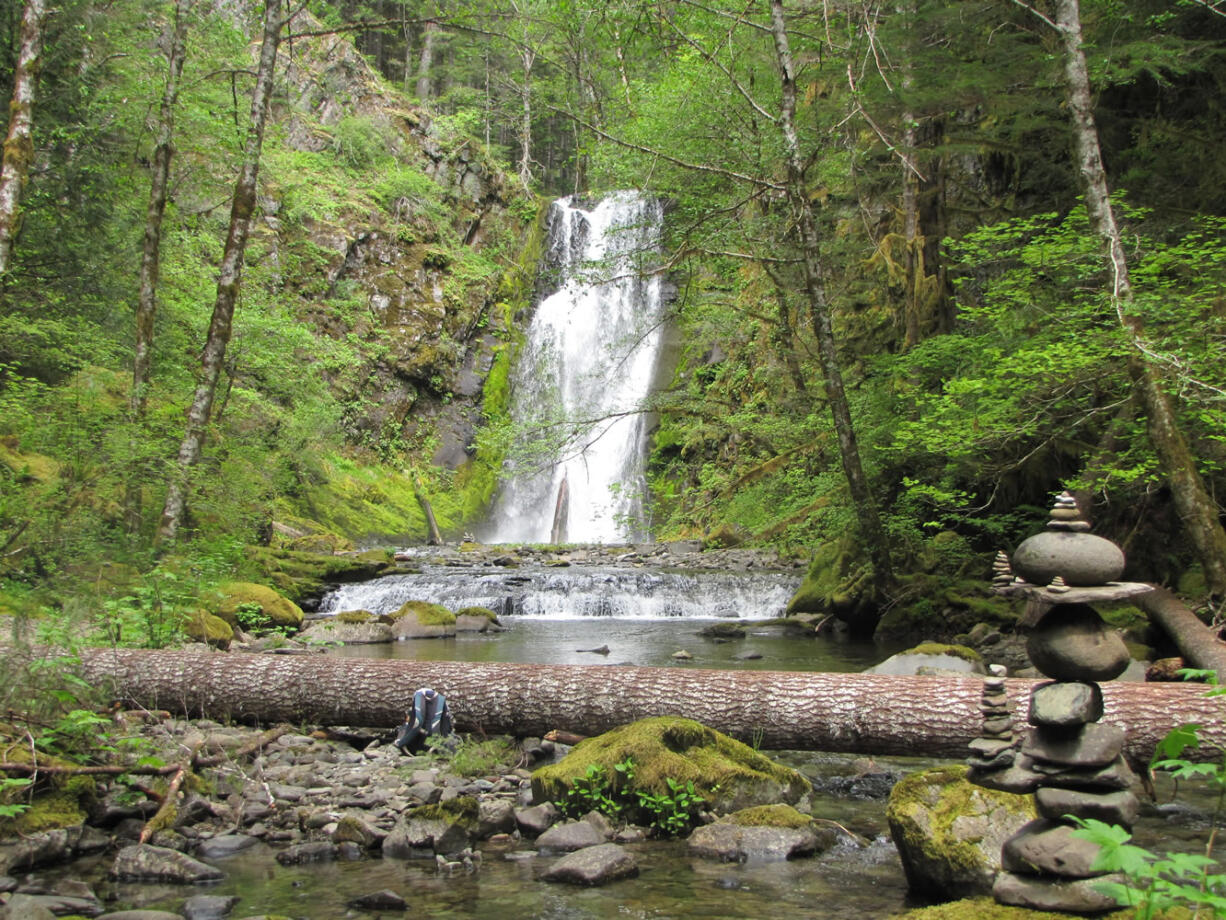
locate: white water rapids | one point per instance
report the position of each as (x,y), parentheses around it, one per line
(585,369)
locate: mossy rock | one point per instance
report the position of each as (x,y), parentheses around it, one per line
(339,628)
(728,774)
(464,811)
(949,831)
(60,799)
(306,576)
(722,631)
(274,609)
(27,466)
(355,616)
(840,583)
(943,648)
(943,608)
(422,620)
(988,909)
(203,626)
(478,612)
(777,815)
(477,620)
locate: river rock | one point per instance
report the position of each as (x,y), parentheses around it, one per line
(142,862)
(930,659)
(1045,847)
(49,847)
(597,865)
(25,907)
(143,915)
(209,906)
(422,837)
(62,904)
(333,629)
(1072,643)
(949,832)
(1109,807)
(314,851)
(1078,896)
(225,845)
(380,900)
(1081,559)
(1066,704)
(568,837)
(495,816)
(733,843)
(1115,775)
(537,819)
(1095,745)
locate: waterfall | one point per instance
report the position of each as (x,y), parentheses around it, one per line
(586,366)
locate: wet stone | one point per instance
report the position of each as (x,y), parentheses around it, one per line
(1072,643)
(596,865)
(1116,775)
(1079,896)
(1065,704)
(1045,847)
(1108,807)
(1095,745)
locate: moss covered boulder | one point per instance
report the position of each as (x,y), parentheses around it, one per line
(987,909)
(352,627)
(728,774)
(840,583)
(303,576)
(932,658)
(203,626)
(764,833)
(949,831)
(422,620)
(248,605)
(477,619)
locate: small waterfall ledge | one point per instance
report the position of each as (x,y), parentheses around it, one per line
(586,368)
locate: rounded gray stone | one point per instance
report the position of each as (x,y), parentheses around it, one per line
(596,865)
(573,835)
(1077,896)
(1109,807)
(141,862)
(734,843)
(1095,745)
(1066,704)
(1081,559)
(1045,847)
(1072,643)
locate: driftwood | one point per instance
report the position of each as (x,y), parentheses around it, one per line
(856,713)
(1197,643)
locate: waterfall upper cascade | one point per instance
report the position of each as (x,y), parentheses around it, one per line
(585,369)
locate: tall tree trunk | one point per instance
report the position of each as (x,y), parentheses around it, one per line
(426,63)
(146,305)
(858,713)
(527,59)
(871,530)
(1196,507)
(228,281)
(19,142)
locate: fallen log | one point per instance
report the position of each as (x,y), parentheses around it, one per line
(1197,643)
(855,713)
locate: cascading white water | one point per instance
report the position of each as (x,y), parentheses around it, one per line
(586,367)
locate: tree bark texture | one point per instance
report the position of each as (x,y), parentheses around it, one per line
(228,281)
(870,524)
(856,713)
(1197,509)
(1197,643)
(426,63)
(18,142)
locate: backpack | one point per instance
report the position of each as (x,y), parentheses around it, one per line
(428,717)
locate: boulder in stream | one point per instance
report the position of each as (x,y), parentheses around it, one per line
(596,865)
(142,862)
(949,832)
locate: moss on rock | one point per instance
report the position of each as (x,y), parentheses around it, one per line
(777,815)
(941,648)
(728,774)
(239,600)
(949,831)
(304,576)
(987,909)
(478,612)
(425,613)
(208,628)
(355,616)
(463,811)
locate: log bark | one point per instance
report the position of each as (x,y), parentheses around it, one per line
(855,713)
(1197,643)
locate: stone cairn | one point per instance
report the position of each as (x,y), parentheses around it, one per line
(1071,761)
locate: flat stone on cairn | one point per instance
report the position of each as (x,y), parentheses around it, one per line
(1072,761)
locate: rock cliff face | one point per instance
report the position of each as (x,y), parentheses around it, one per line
(406,257)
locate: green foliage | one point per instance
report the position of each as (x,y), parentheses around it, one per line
(483,756)
(669,813)
(10,787)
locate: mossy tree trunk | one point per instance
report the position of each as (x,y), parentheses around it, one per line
(860,713)
(146,305)
(228,281)
(871,531)
(19,143)
(1197,509)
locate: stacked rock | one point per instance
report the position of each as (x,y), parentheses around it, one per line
(1002,572)
(994,749)
(1071,761)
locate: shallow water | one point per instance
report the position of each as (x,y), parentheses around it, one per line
(643,641)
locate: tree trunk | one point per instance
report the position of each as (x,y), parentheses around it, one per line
(433,536)
(429,33)
(871,530)
(19,143)
(1196,507)
(857,713)
(528,58)
(146,305)
(228,281)
(1197,643)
